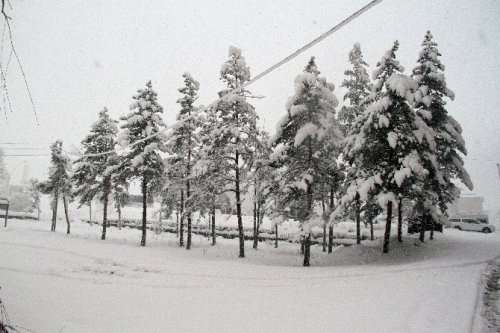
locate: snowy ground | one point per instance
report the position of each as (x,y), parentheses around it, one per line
(52,282)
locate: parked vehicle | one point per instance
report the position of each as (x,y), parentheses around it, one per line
(471,224)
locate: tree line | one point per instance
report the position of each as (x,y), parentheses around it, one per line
(392,146)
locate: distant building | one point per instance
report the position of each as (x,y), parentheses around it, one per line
(466,205)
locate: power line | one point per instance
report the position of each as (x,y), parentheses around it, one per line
(258,76)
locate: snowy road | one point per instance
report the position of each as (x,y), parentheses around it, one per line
(52,282)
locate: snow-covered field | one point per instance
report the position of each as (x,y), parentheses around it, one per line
(53,282)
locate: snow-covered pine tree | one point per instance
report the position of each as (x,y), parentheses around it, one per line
(34,195)
(299,149)
(141,133)
(431,106)
(175,183)
(59,184)
(90,176)
(210,170)
(236,130)
(358,88)
(261,176)
(185,143)
(385,141)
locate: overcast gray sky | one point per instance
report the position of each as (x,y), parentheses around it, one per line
(82,55)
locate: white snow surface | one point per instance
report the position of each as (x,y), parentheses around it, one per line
(54,282)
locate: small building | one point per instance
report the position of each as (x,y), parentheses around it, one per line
(466,205)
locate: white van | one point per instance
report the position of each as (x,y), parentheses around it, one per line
(478,222)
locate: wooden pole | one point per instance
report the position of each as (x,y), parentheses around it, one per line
(6,215)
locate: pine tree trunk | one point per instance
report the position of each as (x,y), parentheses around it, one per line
(255,218)
(90,212)
(188,194)
(358,220)
(181,225)
(188,213)
(107,185)
(324,223)
(422,228)
(158,229)
(400,220)
(307,249)
(370,220)
(432,229)
(258,229)
(118,206)
(330,228)
(276,239)
(65,204)
(330,239)
(388,221)
(213,226)
(144,209)
(54,210)
(238,207)
(38,211)
(177,222)
(307,239)
(6,216)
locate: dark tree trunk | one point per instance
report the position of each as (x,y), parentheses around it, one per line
(213,226)
(38,211)
(307,239)
(276,238)
(432,229)
(259,222)
(65,204)
(400,220)
(188,213)
(255,217)
(370,220)
(119,208)
(188,241)
(307,252)
(6,216)
(54,210)
(188,195)
(422,228)
(330,228)
(181,225)
(107,185)
(358,220)
(238,207)
(330,239)
(388,221)
(159,227)
(90,212)
(144,209)
(324,223)
(177,222)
